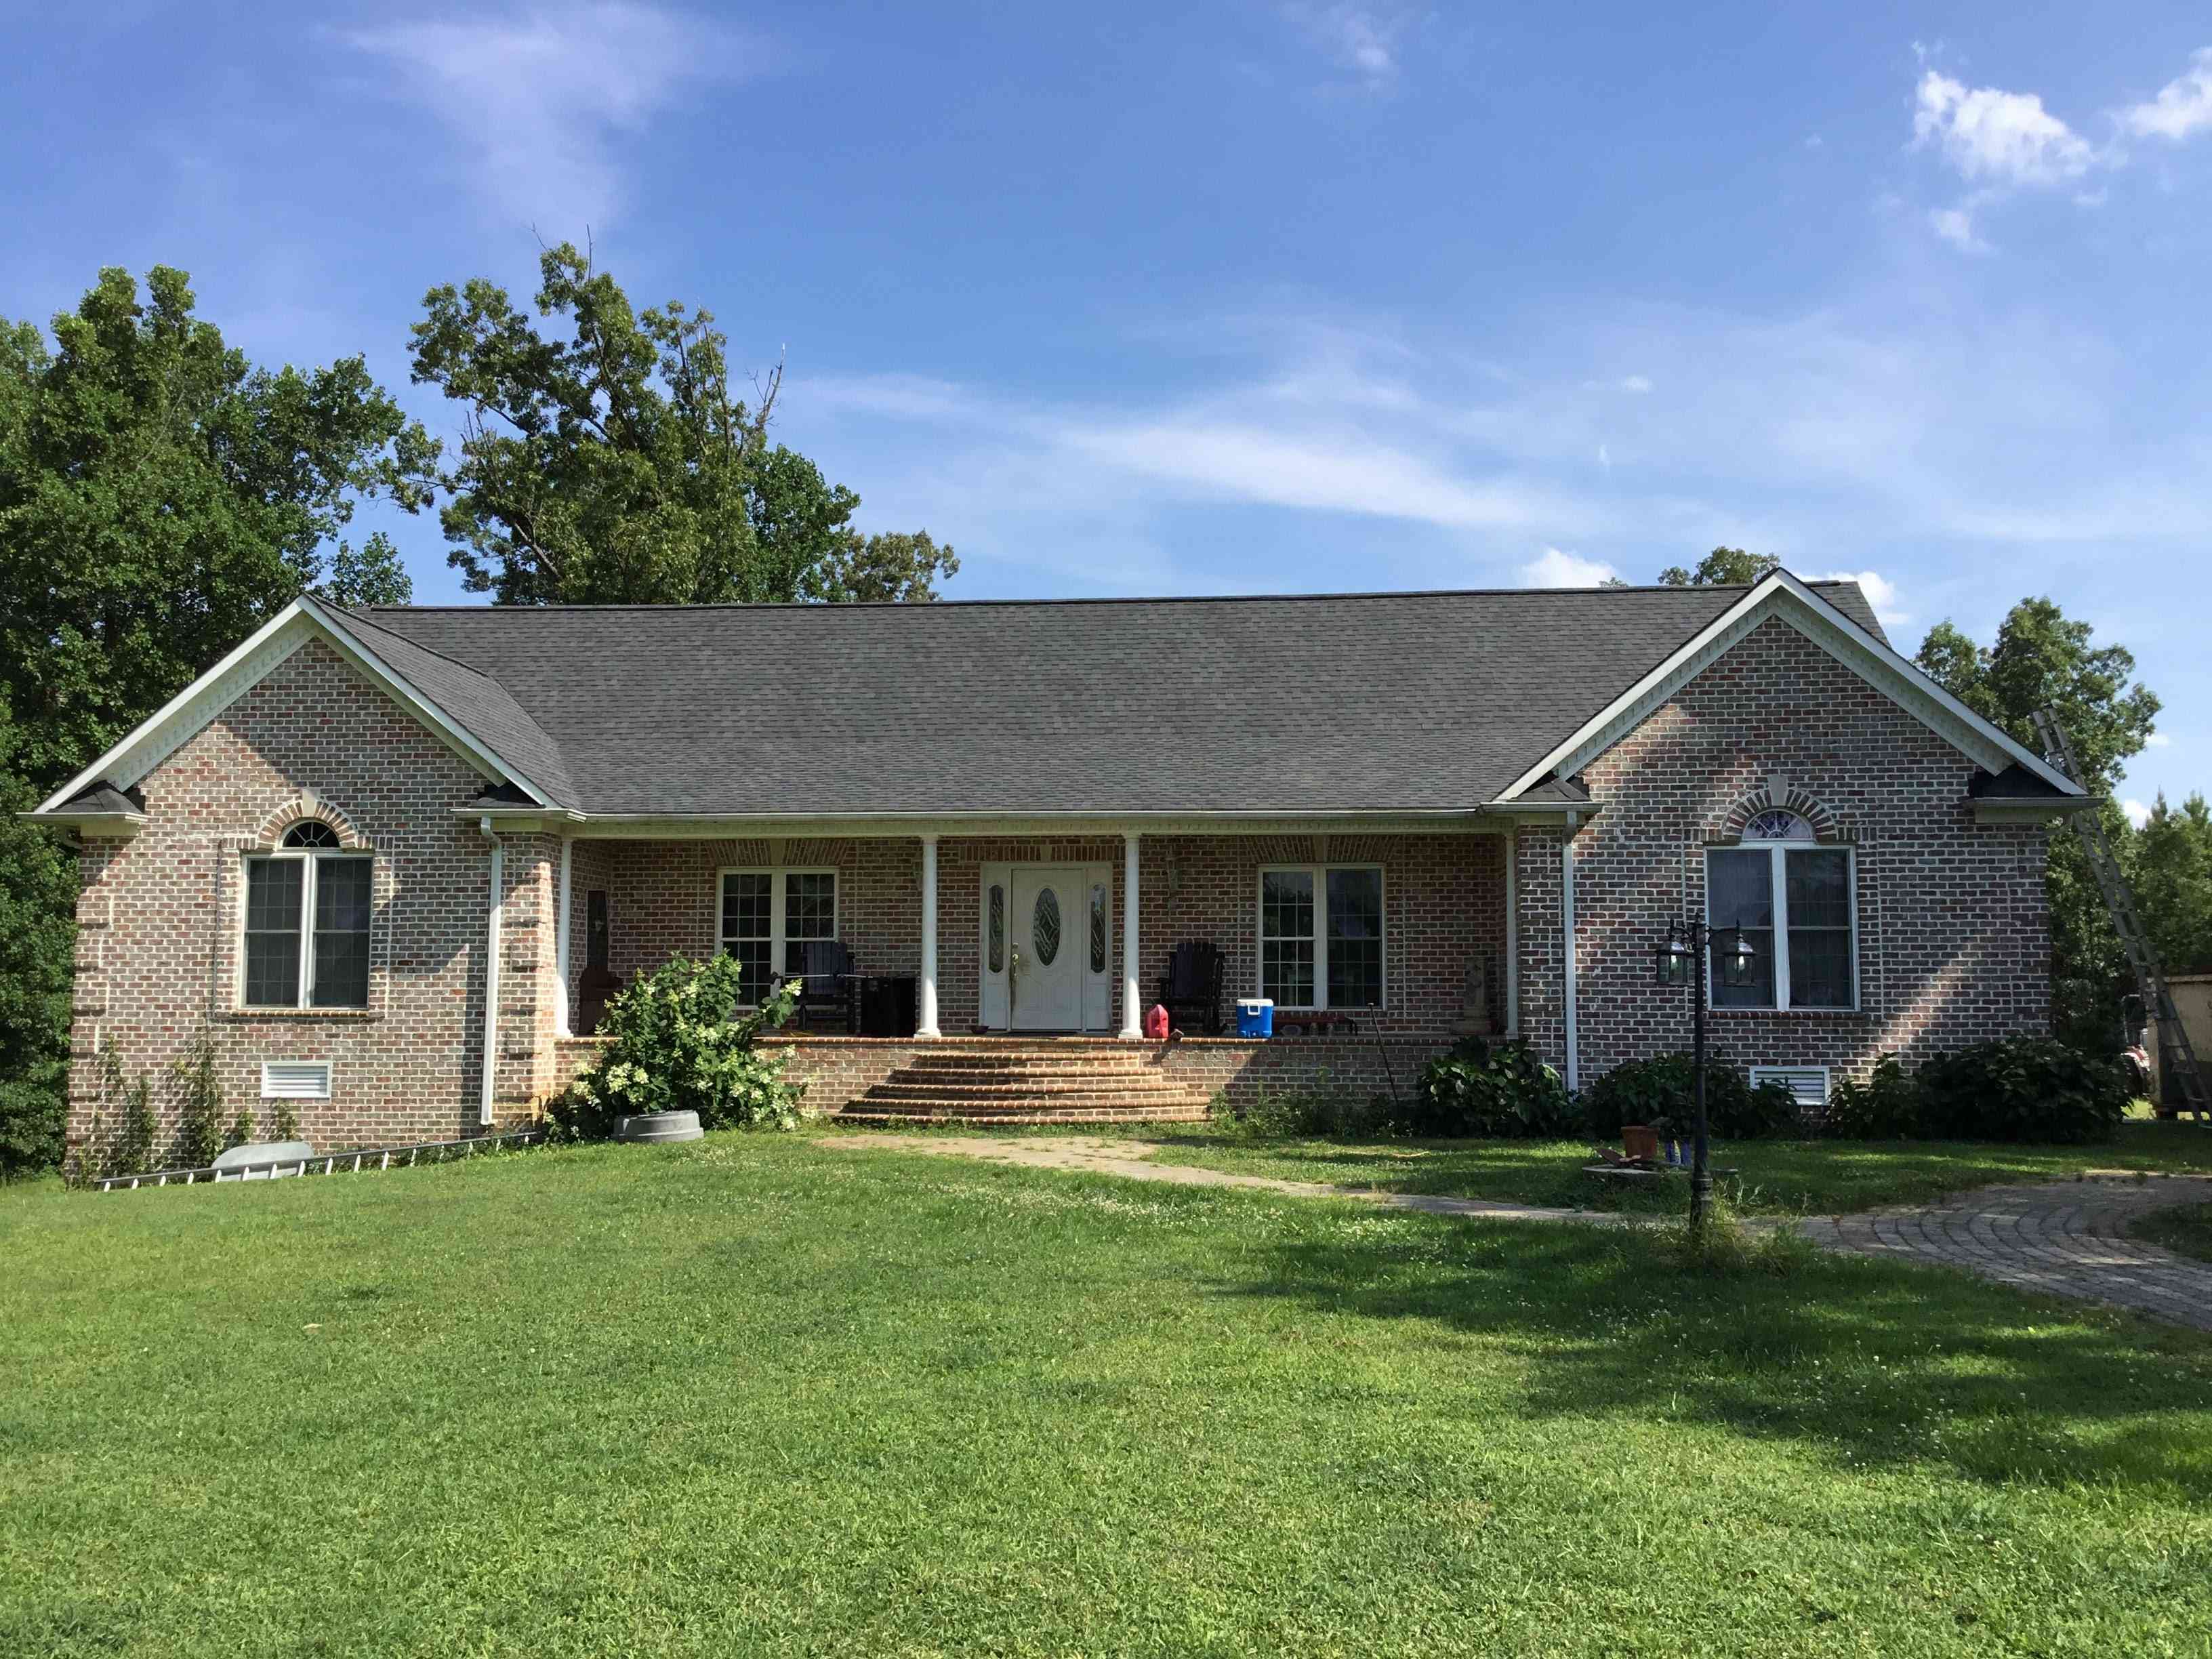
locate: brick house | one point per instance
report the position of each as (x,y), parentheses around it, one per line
(370,849)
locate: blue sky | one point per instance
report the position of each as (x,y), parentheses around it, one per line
(1259,295)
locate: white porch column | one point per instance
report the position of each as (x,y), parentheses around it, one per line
(562,1014)
(925,993)
(1131,1019)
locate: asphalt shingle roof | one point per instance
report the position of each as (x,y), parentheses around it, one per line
(1383,701)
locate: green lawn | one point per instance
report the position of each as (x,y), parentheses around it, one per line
(1775,1177)
(2187,1229)
(763,1396)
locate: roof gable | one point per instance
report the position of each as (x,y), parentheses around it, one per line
(193,709)
(1781,597)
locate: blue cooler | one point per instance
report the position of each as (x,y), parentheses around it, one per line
(1256,1017)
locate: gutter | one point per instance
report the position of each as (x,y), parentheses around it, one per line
(491,970)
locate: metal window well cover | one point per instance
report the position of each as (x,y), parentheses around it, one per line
(262,1152)
(661,1125)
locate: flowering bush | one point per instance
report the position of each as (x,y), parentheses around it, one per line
(681,1040)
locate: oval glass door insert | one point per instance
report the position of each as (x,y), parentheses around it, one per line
(1044,926)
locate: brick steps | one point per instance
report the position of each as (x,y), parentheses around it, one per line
(1030,1085)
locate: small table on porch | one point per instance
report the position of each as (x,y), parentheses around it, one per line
(883,1005)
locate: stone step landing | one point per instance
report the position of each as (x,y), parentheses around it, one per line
(1092,1084)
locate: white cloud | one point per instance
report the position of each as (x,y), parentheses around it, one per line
(2158,740)
(1332,471)
(1993,137)
(1956,226)
(2182,109)
(2138,814)
(1880,593)
(1555,568)
(1355,38)
(539,96)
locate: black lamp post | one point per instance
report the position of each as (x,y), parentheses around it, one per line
(1678,960)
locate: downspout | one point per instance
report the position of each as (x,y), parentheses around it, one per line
(1567,924)
(1512,932)
(491,971)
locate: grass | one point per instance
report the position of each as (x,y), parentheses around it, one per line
(1774,1177)
(2186,1231)
(762,1395)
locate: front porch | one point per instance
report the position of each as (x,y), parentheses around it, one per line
(1032,957)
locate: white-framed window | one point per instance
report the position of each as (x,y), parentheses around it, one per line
(768,916)
(1321,935)
(1796,902)
(307,907)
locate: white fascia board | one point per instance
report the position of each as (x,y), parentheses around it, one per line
(101,826)
(1780,594)
(161,733)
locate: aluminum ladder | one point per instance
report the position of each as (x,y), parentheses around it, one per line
(2177,1057)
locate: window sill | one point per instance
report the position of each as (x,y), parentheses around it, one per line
(302,1013)
(1790,1013)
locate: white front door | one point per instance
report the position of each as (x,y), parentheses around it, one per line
(1045,936)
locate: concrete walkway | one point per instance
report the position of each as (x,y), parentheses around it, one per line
(2063,1237)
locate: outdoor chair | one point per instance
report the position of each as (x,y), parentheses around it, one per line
(827,983)
(1191,988)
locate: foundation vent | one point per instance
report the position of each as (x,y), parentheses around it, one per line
(295,1079)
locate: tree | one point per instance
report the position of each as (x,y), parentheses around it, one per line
(2044,658)
(2170,865)
(615,465)
(1724,567)
(159,498)
(37,944)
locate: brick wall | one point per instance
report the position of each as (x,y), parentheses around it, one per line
(161,914)
(1443,899)
(1954,938)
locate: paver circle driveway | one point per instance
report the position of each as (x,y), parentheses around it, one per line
(2063,1237)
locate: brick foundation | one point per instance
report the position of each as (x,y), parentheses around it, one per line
(836,1070)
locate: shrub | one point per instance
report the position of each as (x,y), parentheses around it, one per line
(242,1129)
(1659,1091)
(1888,1106)
(1498,1091)
(681,1041)
(199,1117)
(2024,1087)
(1273,1113)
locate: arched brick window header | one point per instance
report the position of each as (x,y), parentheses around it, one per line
(308,809)
(1778,796)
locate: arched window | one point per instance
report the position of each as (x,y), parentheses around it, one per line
(1797,903)
(307,909)
(1776,824)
